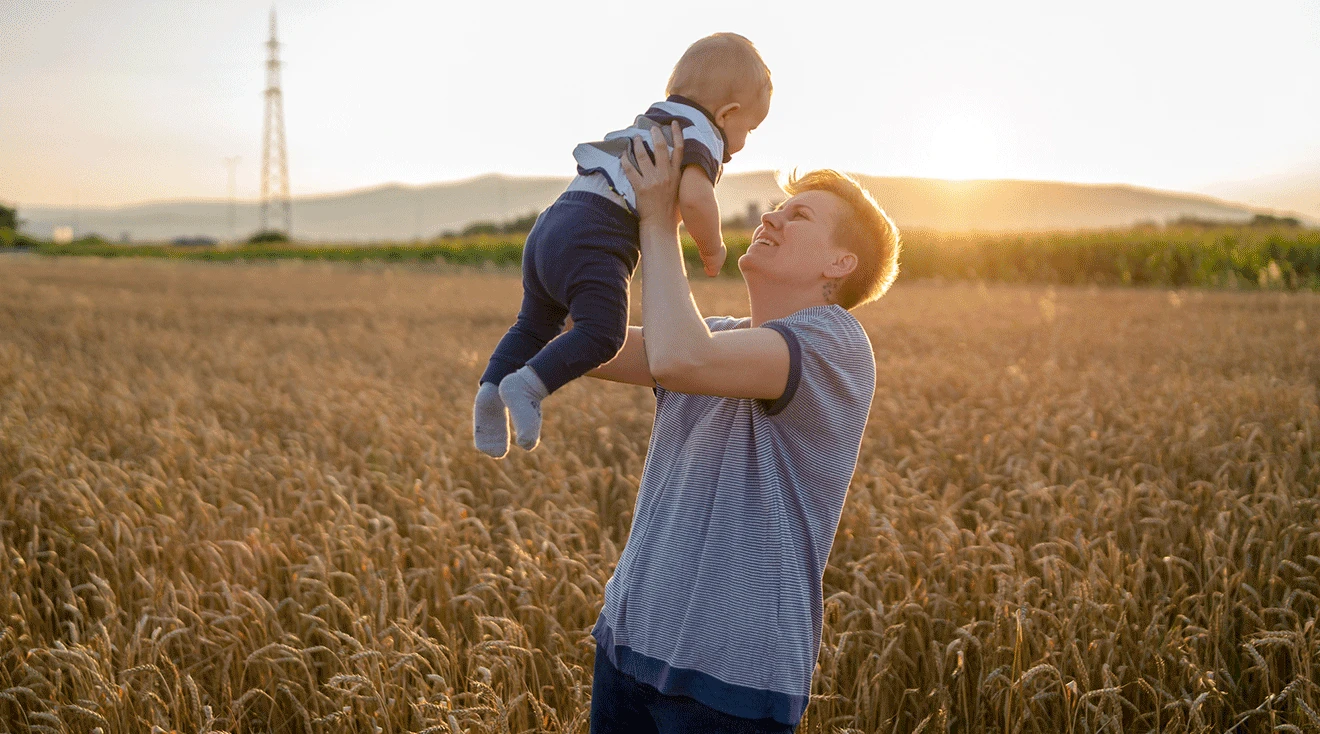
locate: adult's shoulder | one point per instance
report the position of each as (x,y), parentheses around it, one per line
(831,363)
(830,329)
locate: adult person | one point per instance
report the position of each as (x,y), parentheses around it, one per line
(712,619)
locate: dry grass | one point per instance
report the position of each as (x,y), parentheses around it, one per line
(244,498)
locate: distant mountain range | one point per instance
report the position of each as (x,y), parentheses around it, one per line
(395,212)
(1298,190)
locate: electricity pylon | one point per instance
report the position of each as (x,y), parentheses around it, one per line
(274,153)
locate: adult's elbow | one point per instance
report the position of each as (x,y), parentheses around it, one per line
(673,372)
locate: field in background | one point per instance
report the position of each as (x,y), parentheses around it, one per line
(244,498)
(1246,257)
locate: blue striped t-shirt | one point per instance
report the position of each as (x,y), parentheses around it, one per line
(717,595)
(600,166)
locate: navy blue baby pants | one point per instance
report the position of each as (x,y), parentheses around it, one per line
(578,261)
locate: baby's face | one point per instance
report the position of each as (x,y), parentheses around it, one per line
(738,122)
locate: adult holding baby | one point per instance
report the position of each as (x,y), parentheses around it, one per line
(579,258)
(712,619)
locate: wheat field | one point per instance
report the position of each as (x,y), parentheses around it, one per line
(244,498)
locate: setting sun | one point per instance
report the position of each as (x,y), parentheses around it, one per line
(963,147)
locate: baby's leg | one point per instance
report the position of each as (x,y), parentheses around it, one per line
(539,320)
(598,303)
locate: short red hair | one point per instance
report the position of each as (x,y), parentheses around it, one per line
(865,230)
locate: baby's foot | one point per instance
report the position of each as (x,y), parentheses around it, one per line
(522,393)
(490,422)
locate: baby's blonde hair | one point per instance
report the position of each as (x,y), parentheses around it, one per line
(719,69)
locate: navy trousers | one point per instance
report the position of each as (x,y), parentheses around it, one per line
(622,705)
(578,261)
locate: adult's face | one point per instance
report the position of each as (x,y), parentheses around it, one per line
(794,245)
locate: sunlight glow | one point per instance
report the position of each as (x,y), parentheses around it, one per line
(963,147)
(137,100)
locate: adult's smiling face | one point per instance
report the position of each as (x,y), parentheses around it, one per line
(796,246)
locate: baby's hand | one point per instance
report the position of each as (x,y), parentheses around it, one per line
(714,262)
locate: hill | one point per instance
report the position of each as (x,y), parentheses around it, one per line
(1297,191)
(399,213)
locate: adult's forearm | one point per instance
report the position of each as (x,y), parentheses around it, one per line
(680,351)
(675,331)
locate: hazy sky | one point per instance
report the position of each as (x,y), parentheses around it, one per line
(129,100)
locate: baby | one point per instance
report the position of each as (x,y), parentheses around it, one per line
(580,256)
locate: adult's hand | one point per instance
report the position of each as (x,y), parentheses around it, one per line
(656,183)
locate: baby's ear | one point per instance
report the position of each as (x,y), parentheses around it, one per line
(723,113)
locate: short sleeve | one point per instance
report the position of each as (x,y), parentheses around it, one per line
(831,376)
(774,407)
(725,323)
(697,153)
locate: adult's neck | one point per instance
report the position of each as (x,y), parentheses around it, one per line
(771,301)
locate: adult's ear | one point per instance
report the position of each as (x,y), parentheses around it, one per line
(841,266)
(723,113)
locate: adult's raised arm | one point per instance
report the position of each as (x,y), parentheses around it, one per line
(682,353)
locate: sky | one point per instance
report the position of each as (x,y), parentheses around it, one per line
(112,102)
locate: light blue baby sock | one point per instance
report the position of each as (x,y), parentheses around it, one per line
(522,393)
(490,422)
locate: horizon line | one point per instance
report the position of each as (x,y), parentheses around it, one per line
(775,173)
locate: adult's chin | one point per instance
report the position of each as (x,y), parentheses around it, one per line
(748,263)
(755,268)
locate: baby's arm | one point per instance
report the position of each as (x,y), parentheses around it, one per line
(701,215)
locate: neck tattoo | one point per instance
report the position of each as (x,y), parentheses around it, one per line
(831,288)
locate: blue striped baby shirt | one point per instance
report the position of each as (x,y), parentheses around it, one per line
(599,163)
(717,594)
